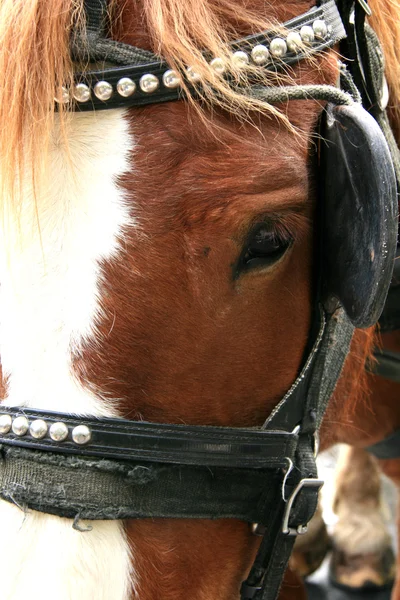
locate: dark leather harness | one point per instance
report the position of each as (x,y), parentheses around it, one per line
(387,363)
(80,467)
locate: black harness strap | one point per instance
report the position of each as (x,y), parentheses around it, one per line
(366,66)
(355,48)
(93,488)
(133,63)
(265,577)
(96,16)
(92,45)
(154,442)
(316,383)
(389,448)
(387,365)
(390,317)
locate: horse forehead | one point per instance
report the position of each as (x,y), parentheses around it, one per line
(176,145)
(230,181)
(202,206)
(220,175)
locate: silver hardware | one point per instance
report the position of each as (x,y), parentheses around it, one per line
(316,443)
(301,529)
(287,473)
(260,54)
(365,6)
(81,92)
(307,34)
(218,65)
(278,47)
(240,58)
(384,99)
(171,79)
(58,432)
(38,429)
(257,529)
(20,426)
(148,83)
(5,423)
(294,41)
(103,90)
(81,434)
(62,98)
(320,29)
(126,87)
(192,75)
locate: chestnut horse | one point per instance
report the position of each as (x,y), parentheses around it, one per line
(157,264)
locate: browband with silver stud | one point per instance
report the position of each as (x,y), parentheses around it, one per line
(319,28)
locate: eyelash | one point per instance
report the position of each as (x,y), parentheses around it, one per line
(266,243)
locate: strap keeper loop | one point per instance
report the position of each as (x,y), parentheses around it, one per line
(248,592)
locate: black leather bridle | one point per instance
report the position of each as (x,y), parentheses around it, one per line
(265,476)
(387,362)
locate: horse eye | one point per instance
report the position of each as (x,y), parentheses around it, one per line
(265,246)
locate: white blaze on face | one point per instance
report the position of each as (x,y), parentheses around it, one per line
(50,299)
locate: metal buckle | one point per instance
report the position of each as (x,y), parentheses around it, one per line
(384,99)
(316,443)
(301,529)
(365,7)
(257,529)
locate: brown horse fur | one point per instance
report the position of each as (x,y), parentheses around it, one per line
(181,340)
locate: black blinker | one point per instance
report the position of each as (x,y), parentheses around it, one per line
(359,212)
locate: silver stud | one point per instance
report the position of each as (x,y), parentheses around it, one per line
(5,423)
(81,434)
(58,432)
(20,426)
(307,34)
(320,29)
(148,83)
(171,79)
(62,96)
(81,92)
(103,90)
(240,58)
(218,65)
(38,429)
(278,47)
(294,41)
(192,75)
(260,54)
(126,87)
